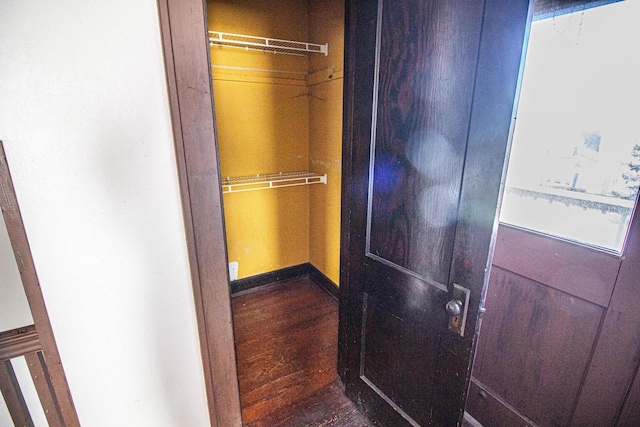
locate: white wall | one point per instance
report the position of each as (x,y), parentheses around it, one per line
(85,121)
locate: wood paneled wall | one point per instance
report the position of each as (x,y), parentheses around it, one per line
(560,341)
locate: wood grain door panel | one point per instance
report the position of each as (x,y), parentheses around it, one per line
(388,349)
(426,80)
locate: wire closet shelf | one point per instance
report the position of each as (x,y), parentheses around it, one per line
(274,180)
(265,44)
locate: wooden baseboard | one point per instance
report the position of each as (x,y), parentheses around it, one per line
(270,277)
(324,282)
(286,273)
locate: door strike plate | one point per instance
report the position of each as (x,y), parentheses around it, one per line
(457,309)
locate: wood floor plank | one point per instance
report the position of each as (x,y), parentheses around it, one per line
(328,407)
(286,342)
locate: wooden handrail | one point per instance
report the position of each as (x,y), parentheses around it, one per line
(19,342)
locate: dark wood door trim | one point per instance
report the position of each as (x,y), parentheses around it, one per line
(22,251)
(185,46)
(348,101)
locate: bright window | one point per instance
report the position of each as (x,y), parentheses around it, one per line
(574,168)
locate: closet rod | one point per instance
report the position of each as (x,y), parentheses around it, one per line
(289,47)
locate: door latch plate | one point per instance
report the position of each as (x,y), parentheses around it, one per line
(457,322)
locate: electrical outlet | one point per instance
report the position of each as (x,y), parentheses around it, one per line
(233,270)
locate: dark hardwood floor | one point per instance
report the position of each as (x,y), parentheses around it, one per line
(286,340)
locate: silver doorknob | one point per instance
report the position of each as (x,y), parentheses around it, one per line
(453,307)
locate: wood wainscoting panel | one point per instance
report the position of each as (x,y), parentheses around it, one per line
(614,364)
(630,414)
(585,272)
(534,348)
(495,411)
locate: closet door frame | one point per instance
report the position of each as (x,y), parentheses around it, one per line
(186,54)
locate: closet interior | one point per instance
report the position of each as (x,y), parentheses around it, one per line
(277,70)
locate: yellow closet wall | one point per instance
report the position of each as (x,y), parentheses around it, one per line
(262,120)
(326,23)
(280,121)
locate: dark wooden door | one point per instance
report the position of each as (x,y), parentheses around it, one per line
(429,101)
